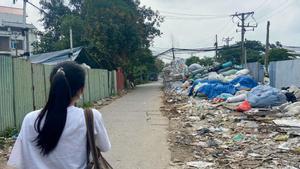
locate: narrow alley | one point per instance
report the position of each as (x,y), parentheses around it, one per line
(137,130)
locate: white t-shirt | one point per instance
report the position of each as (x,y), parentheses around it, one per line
(70,152)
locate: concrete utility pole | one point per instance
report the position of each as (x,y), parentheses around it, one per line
(227,40)
(267,47)
(26,31)
(243,17)
(216,45)
(71,41)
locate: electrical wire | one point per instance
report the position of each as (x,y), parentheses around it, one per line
(262,5)
(282,7)
(197,15)
(191,18)
(41,10)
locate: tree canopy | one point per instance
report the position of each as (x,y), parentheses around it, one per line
(254,50)
(205,61)
(117,33)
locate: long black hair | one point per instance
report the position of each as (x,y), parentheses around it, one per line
(66,80)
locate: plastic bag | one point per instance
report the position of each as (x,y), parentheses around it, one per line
(236,99)
(245,106)
(266,96)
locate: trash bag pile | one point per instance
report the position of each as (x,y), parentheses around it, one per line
(221,118)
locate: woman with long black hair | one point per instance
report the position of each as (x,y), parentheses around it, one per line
(55,137)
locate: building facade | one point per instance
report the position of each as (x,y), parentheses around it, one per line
(12,36)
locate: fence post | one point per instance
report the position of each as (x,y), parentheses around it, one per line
(45,82)
(14,92)
(33,90)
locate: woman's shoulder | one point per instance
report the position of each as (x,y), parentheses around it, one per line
(97,114)
(31,115)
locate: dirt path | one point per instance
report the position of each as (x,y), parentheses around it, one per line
(137,130)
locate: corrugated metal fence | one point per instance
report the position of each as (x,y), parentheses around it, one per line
(24,87)
(285,73)
(256,71)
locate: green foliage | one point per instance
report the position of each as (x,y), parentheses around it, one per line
(159,64)
(205,61)
(9,132)
(254,50)
(87,105)
(277,54)
(117,33)
(191,60)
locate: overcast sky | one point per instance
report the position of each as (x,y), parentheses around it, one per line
(194,23)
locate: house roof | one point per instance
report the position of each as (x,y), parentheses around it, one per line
(52,58)
(16,24)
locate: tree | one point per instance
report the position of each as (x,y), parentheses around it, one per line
(191,60)
(57,21)
(117,29)
(206,61)
(116,33)
(159,64)
(255,51)
(277,54)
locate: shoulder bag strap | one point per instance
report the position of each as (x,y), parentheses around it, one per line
(89,121)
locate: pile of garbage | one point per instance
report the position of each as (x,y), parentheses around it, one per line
(228,120)
(5,148)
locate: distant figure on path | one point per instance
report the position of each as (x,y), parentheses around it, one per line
(55,137)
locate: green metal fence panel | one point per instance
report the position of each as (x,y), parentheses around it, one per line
(92,81)
(6,92)
(106,92)
(102,84)
(47,71)
(98,87)
(23,89)
(39,87)
(109,82)
(116,82)
(86,93)
(98,74)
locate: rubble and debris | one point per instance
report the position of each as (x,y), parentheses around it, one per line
(210,133)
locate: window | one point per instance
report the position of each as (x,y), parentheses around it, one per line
(4,44)
(17,44)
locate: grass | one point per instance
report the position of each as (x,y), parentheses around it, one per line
(87,105)
(9,132)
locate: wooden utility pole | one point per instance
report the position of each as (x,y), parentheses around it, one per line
(243,17)
(216,45)
(267,47)
(173,53)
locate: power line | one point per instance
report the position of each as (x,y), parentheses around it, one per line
(199,15)
(191,18)
(264,3)
(282,7)
(41,10)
